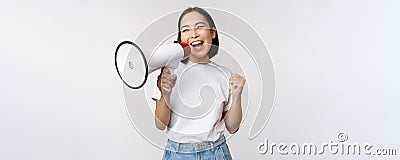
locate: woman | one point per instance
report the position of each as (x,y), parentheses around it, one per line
(201,137)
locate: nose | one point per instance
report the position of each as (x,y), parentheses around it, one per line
(194,33)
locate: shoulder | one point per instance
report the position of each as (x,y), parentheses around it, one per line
(225,70)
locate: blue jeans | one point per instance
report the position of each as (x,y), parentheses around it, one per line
(217,150)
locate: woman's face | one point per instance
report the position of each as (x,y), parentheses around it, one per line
(196,32)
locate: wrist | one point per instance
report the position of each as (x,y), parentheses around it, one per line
(166,94)
(236,96)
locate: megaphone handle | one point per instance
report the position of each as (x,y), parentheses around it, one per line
(165,88)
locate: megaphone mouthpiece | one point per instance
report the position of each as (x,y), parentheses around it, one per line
(186,49)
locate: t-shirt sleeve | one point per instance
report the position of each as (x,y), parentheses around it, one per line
(228,106)
(156,92)
(228,93)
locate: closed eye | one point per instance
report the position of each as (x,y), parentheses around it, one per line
(201,27)
(185,30)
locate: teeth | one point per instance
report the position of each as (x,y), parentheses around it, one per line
(196,43)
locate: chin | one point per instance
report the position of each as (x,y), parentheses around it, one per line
(199,55)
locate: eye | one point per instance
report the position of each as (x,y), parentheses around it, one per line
(185,30)
(201,27)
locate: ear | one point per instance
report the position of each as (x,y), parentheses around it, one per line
(213,33)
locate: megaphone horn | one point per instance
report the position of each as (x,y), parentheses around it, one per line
(165,56)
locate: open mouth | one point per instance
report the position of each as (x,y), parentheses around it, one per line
(197,44)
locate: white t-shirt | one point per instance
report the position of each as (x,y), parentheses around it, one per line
(198,99)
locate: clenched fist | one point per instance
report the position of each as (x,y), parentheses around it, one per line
(236,83)
(167,79)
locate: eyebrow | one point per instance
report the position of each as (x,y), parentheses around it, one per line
(194,24)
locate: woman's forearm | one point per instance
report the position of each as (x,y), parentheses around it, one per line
(233,117)
(162,114)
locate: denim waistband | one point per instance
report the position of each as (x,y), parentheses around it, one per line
(194,147)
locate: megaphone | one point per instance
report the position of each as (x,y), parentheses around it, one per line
(139,64)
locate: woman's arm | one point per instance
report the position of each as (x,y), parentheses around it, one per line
(163,112)
(233,117)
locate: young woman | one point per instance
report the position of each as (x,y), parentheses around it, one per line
(200,137)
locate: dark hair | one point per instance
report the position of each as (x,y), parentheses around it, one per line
(215,41)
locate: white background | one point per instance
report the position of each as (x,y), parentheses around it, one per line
(336,65)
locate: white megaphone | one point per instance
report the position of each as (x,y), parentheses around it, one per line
(138,64)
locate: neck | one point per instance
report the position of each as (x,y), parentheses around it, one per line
(203,60)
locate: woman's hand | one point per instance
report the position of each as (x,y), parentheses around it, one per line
(236,83)
(167,79)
